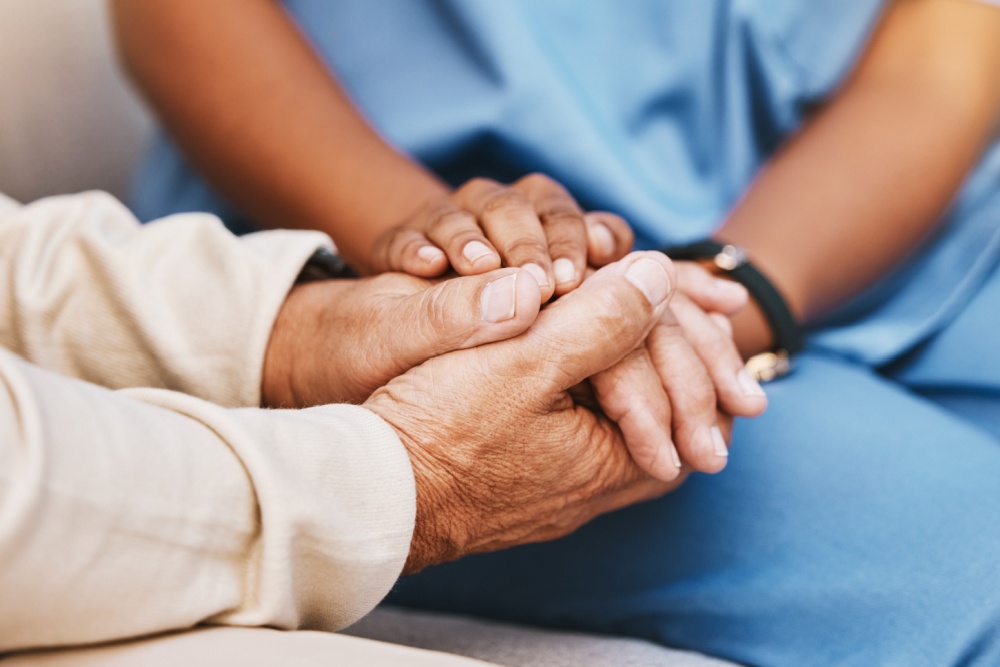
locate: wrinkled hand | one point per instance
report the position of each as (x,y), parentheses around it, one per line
(336,341)
(533,223)
(501,453)
(675,397)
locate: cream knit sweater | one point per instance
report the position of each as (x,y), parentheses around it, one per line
(141,489)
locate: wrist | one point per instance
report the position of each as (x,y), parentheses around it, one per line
(441,532)
(295,341)
(751,331)
(769,329)
(276,389)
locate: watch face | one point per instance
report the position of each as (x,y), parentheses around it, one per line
(768,366)
(731,257)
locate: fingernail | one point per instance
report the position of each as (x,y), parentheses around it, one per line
(729,289)
(603,239)
(498,299)
(674,456)
(475,251)
(719,442)
(651,279)
(564,270)
(749,386)
(429,253)
(538,273)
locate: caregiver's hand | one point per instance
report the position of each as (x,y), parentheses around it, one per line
(703,308)
(533,223)
(336,341)
(501,452)
(689,375)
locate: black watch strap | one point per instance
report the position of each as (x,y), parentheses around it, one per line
(732,261)
(324,265)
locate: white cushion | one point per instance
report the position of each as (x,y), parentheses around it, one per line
(68,120)
(517,646)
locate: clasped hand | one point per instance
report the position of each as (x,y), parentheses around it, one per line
(524,421)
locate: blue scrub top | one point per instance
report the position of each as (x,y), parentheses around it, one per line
(659,110)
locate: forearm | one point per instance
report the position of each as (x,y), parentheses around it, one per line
(182,305)
(140,512)
(869,177)
(255,109)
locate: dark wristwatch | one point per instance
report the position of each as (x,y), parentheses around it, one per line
(732,262)
(324,265)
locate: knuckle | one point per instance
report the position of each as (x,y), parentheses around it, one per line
(538,181)
(698,396)
(505,202)
(567,247)
(526,246)
(687,381)
(478,184)
(611,310)
(450,217)
(539,184)
(713,346)
(437,321)
(565,218)
(406,246)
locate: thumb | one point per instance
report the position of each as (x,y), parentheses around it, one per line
(463,312)
(598,324)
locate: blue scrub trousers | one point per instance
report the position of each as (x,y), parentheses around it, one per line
(858,523)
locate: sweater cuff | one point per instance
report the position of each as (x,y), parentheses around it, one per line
(336,506)
(281,255)
(337,503)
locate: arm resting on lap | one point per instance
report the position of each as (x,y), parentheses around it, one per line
(135,512)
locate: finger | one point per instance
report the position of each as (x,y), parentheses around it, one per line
(452,315)
(737,392)
(457,232)
(595,326)
(512,225)
(692,396)
(409,251)
(726,426)
(723,322)
(564,228)
(609,238)
(466,312)
(630,394)
(709,292)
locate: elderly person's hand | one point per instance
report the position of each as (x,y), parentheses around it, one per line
(502,453)
(673,398)
(336,341)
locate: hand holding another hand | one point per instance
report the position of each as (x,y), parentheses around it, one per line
(501,452)
(533,223)
(336,341)
(675,397)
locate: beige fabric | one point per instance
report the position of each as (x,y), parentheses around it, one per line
(180,304)
(144,510)
(68,120)
(241,647)
(7,205)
